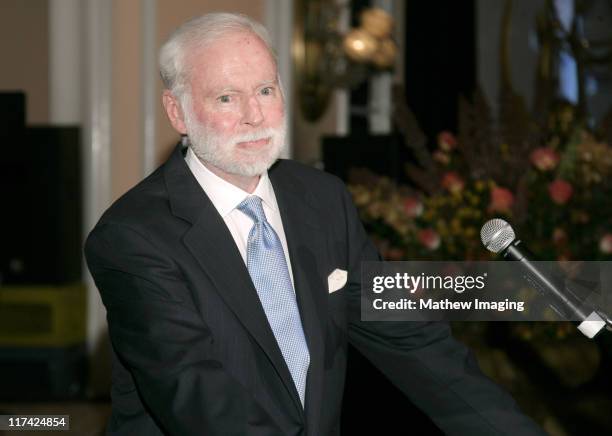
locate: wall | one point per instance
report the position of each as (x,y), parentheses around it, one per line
(126,113)
(23,46)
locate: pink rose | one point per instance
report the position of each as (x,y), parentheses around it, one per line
(452,182)
(544,158)
(502,200)
(605,244)
(429,238)
(446,140)
(560,191)
(413,207)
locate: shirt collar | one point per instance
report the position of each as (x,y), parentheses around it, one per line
(223,195)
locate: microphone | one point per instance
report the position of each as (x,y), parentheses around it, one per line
(498,237)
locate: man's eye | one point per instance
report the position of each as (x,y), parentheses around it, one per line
(267,90)
(224,99)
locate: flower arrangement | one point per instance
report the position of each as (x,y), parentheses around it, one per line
(555,191)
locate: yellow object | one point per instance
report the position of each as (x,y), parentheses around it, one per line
(384,57)
(377,22)
(359,45)
(42,316)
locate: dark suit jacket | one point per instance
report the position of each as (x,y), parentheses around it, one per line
(194,353)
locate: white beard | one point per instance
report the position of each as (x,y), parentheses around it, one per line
(222,153)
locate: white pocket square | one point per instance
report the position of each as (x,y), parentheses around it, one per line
(336,280)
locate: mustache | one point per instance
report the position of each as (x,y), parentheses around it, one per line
(256,136)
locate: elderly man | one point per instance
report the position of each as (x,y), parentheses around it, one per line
(232,279)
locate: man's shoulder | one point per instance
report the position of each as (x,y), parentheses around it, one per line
(145,201)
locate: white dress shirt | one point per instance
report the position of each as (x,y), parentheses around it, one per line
(226,197)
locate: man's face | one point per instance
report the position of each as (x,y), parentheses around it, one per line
(234,114)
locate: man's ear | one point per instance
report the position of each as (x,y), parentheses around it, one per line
(174,112)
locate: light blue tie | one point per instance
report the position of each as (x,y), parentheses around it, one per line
(268,269)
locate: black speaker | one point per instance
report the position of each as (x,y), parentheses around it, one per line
(40,223)
(12,112)
(45,373)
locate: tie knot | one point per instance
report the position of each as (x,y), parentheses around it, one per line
(252,207)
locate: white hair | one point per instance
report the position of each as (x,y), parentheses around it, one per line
(195,34)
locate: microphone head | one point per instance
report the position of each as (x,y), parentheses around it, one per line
(496,235)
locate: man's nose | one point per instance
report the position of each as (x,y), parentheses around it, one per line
(253,114)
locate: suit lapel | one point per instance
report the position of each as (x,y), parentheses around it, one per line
(212,245)
(305,240)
